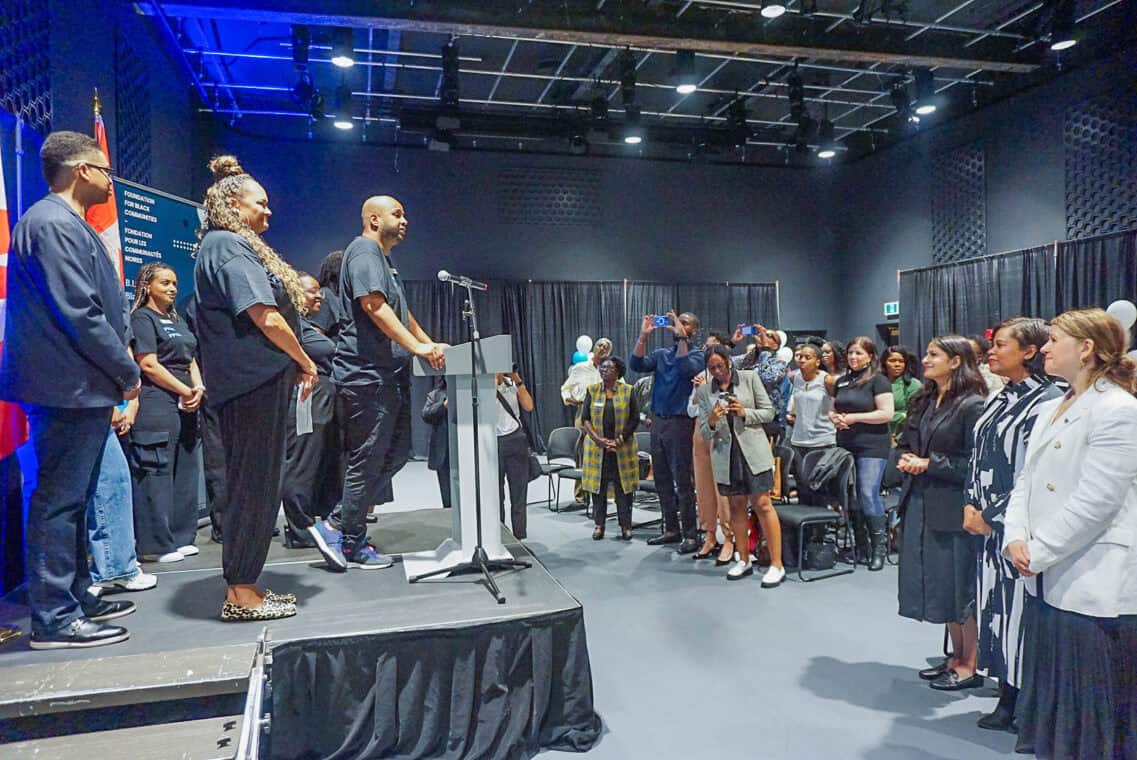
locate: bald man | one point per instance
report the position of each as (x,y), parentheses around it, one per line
(372,371)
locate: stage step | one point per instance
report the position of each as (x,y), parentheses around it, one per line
(207,739)
(105,682)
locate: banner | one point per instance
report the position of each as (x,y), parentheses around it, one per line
(104,217)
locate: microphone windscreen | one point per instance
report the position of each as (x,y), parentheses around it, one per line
(443,275)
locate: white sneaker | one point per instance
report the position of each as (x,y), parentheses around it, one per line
(140,581)
(188,551)
(773,577)
(739,570)
(163,558)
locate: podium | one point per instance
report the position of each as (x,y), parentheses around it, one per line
(496,355)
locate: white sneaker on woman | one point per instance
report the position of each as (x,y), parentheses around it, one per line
(188,551)
(163,558)
(739,570)
(773,577)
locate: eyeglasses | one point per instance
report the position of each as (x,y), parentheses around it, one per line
(107,170)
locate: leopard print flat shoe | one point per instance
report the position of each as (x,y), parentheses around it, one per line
(268,610)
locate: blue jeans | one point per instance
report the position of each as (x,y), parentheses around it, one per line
(110,521)
(870,473)
(66,448)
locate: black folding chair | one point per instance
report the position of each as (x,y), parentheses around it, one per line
(814,511)
(561,446)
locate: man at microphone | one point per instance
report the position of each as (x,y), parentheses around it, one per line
(372,371)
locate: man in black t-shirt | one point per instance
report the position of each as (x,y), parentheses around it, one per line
(372,372)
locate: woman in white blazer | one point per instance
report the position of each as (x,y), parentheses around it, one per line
(1071,531)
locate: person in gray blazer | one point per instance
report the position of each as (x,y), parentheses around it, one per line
(733,406)
(1071,531)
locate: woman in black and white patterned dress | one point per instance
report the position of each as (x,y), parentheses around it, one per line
(1001,437)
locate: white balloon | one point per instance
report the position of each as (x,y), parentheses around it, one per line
(1124,312)
(784,354)
(584,344)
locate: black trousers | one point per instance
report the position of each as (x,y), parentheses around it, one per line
(671,459)
(513,468)
(213,462)
(444,485)
(164,470)
(377,442)
(610,476)
(313,479)
(68,447)
(253,429)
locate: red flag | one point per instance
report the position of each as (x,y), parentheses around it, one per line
(13,425)
(104,216)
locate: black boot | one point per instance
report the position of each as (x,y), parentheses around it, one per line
(1003,719)
(878,539)
(860,538)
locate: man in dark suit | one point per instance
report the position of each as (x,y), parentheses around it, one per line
(66,363)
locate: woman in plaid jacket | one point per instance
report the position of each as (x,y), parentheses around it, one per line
(609,418)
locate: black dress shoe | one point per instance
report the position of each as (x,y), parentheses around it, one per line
(689,546)
(934,672)
(665,538)
(950,681)
(1000,720)
(80,634)
(101,610)
(707,555)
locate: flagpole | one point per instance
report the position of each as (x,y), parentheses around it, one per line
(97,104)
(19,167)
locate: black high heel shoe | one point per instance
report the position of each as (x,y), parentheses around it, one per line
(710,553)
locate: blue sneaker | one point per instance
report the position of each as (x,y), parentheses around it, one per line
(367,558)
(330,543)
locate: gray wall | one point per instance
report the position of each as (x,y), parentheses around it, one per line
(884,209)
(660,221)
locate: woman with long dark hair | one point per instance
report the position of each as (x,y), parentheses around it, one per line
(809,406)
(1069,530)
(902,369)
(1001,437)
(862,409)
(164,439)
(937,557)
(248,306)
(833,357)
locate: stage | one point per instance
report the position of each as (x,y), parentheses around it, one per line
(372,666)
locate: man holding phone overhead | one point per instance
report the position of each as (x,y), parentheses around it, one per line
(672,369)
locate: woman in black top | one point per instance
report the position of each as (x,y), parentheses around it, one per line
(833,357)
(937,557)
(609,417)
(164,439)
(248,302)
(862,409)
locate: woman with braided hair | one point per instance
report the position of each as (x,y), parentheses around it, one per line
(248,303)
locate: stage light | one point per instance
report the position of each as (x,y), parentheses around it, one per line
(685,79)
(440,141)
(301,44)
(827,142)
(737,128)
(925,92)
(633,132)
(343,47)
(772,10)
(342,119)
(1062,26)
(627,77)
(448,92)
(900,101)
(578,145)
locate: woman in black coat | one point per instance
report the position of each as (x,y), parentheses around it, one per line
(937,557)
(436,413)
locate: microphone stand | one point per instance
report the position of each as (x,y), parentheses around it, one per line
(480,561)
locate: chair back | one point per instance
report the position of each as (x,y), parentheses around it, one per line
(643,442)
(562,444)
(828,474)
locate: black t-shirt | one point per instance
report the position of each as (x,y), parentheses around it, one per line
(319,347)
(862,439)
(236,356)
(364,353)
(329,317)
(166,336)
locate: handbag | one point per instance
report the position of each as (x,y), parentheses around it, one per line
(535,470)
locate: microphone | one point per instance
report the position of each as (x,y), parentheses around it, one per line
(461,280)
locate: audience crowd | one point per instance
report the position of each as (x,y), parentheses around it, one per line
(1016,456)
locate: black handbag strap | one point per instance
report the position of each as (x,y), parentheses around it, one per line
(508,409)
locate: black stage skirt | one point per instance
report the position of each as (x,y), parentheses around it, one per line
(937,569)
(743,482)
(1079,691)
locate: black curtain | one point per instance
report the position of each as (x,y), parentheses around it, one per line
(970,296)
(647,298)
(750,303)
(1097,271)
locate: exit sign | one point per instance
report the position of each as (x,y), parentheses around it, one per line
(892,308)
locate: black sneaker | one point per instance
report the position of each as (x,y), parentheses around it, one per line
(80,634)
(100,610)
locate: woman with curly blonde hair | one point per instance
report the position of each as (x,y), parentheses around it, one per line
(248,304)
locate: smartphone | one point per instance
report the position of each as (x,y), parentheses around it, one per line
(659,321)
(749,330)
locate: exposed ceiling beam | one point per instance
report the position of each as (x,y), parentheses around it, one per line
(651,30)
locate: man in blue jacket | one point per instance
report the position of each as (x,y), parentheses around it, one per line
(672,430)
(66,363)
